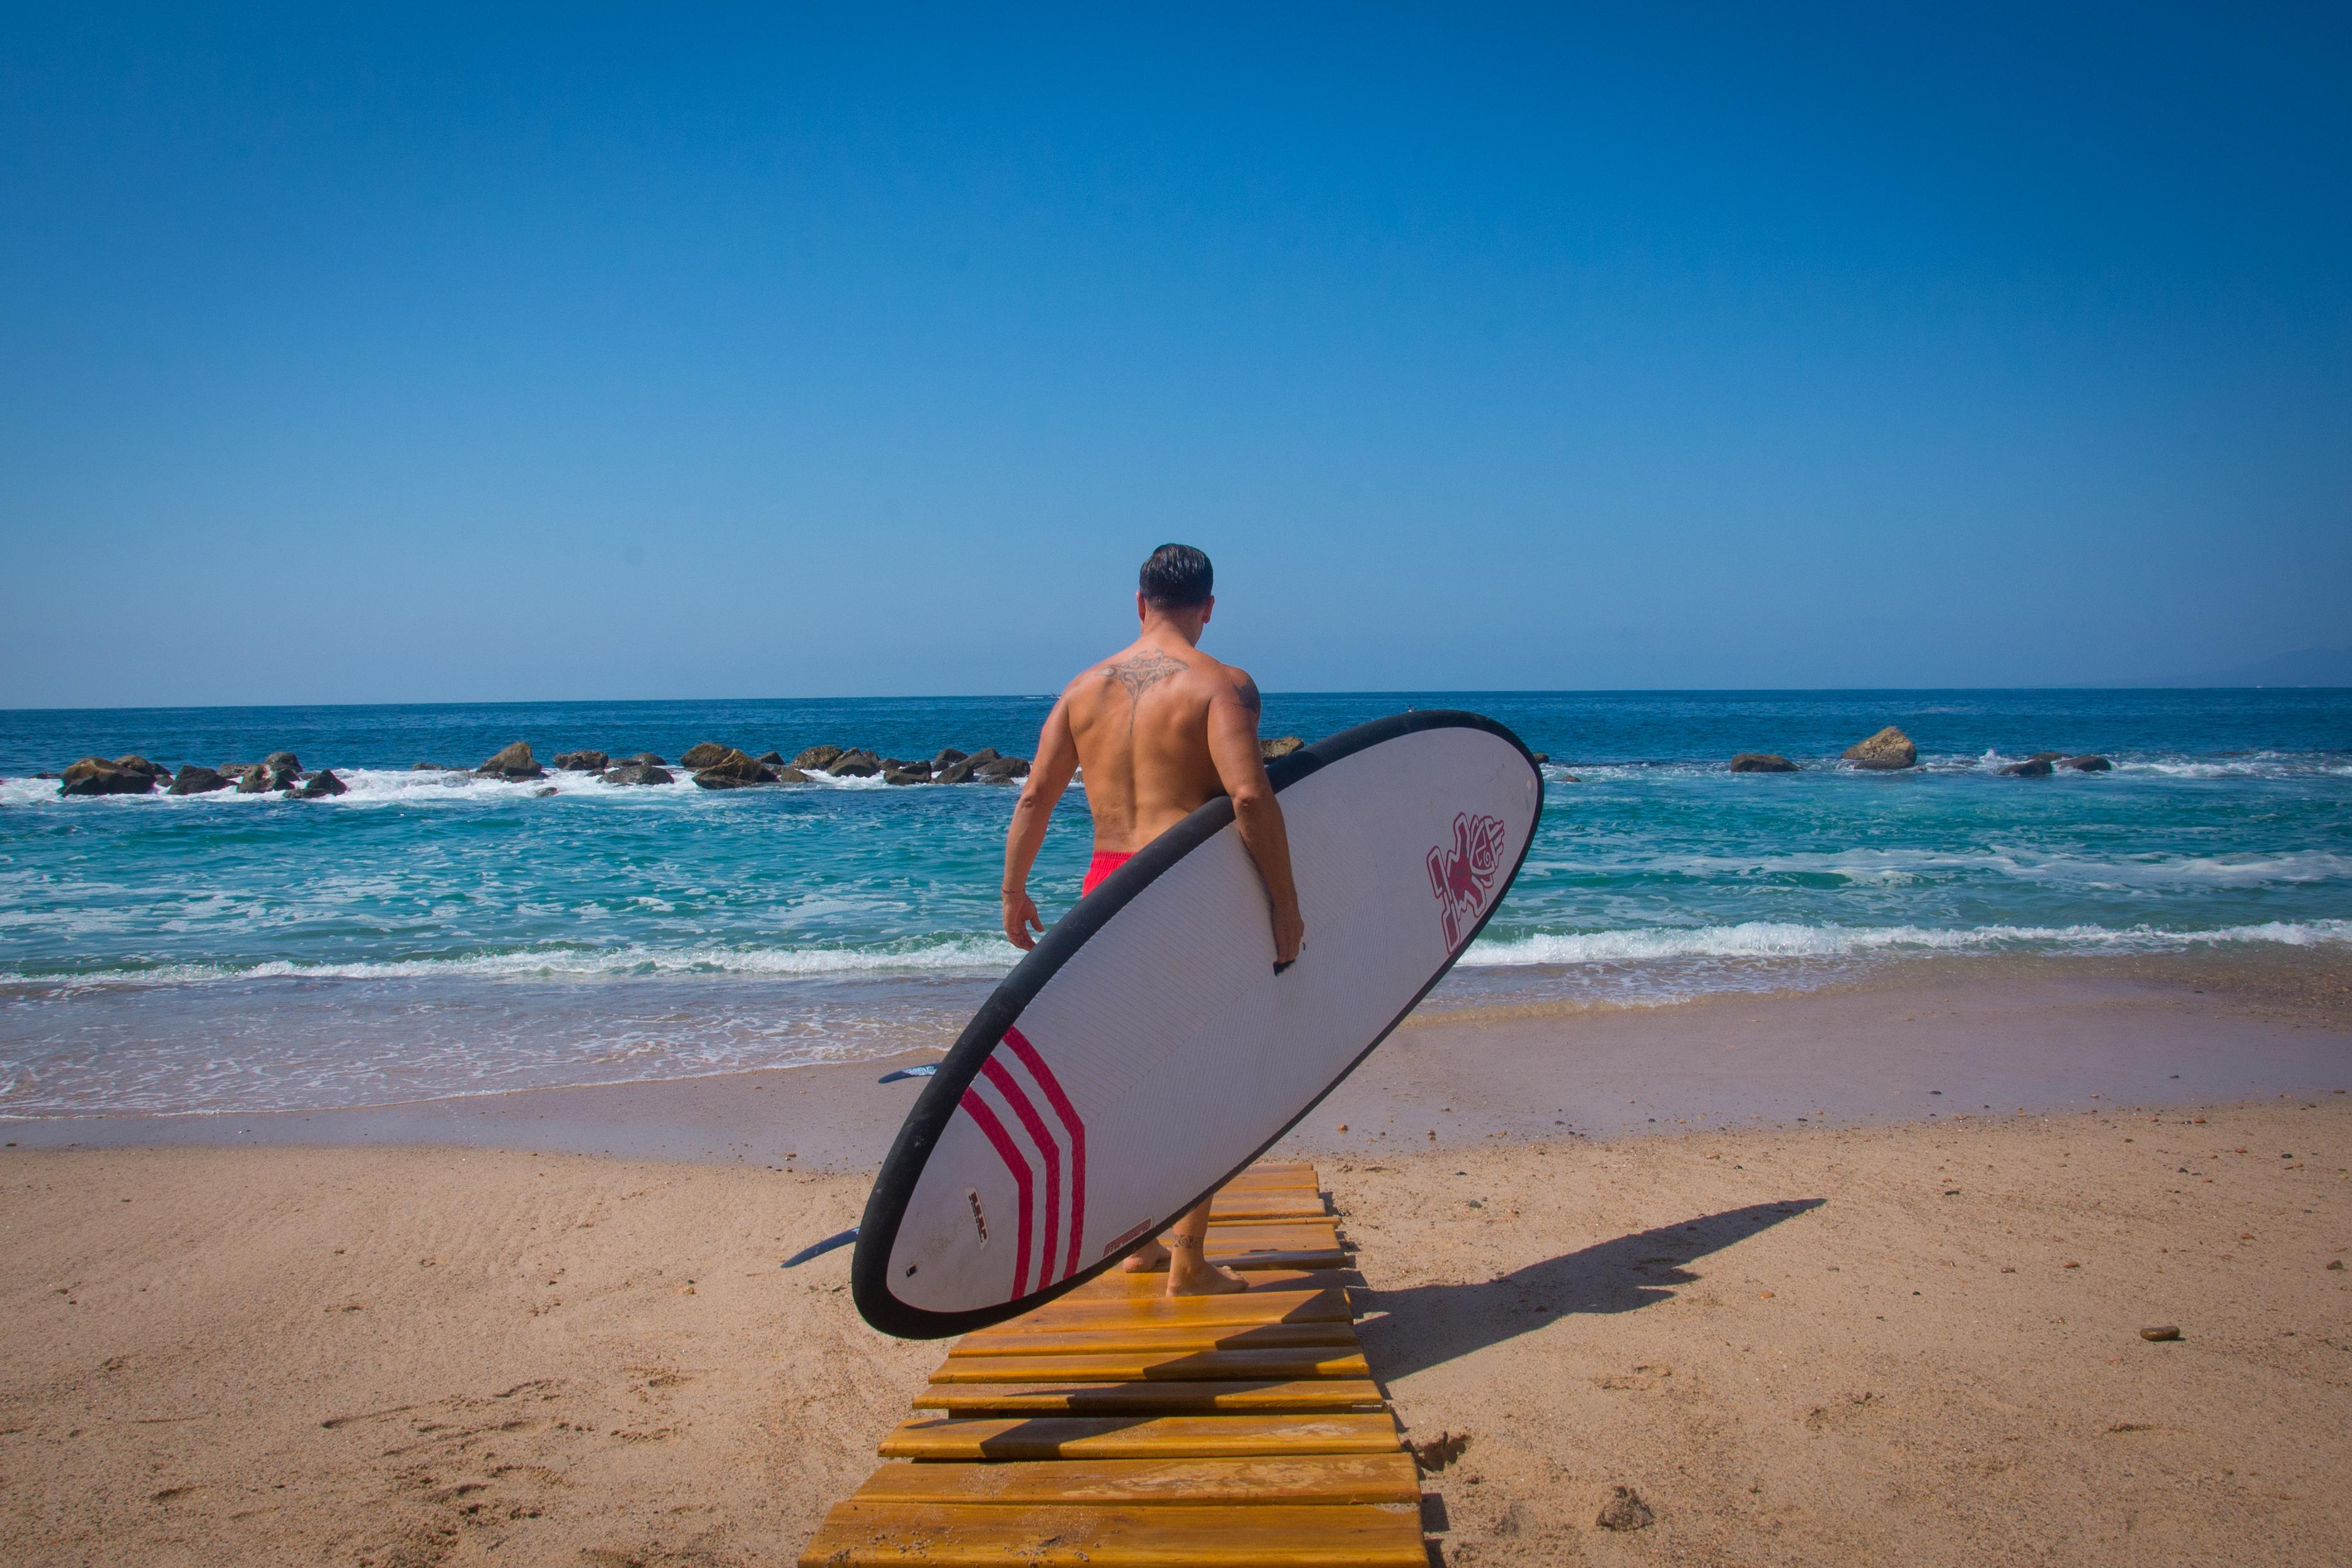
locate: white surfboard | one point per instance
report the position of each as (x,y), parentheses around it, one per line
(1146,1051)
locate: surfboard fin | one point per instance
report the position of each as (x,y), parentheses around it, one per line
(926,1070)
(821,1248)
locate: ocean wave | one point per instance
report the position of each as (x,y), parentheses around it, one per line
(957,955)
(1895,867)
(1771,939)
(366,787)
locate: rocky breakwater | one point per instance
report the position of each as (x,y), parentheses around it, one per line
(643,769)
(1885,751)
(514,762)
(734,769)
(123,775)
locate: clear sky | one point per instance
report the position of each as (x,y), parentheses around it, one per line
(690,352)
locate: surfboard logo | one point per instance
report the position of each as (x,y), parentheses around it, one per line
(1020,1108)
(1461,877)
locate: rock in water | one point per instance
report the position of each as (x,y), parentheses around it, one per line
(1279,746)
(982,757)
(906,777)
(1001,770)
(707,753)
(96,775)
(2032,768)
(954,773)
(1762,763)
(514,762)
(638,773)
(323,783)
(818,757)
(583,762)
(1887,750)
(283,763)
(731,770)
(2045,756)
(856,764)
(949,757)
(1623,1508)
(139,765)
(2092,764)
(770,759)
(644,760)
(787,774)
(255,780)
(195,780)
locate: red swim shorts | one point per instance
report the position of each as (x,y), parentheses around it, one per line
(1105,862)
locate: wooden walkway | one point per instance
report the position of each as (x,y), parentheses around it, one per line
(1117,1426)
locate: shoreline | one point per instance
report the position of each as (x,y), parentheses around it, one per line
(1947,1038)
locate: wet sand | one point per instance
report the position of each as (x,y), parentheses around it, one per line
(1799,1343)
(1937,1039)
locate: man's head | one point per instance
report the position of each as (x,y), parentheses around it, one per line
(1175,585)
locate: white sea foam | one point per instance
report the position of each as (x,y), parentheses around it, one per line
(1767,939)
(961,955)
(1890,867)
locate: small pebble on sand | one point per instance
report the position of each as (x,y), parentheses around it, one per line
(1625,1509)
(2161,1333)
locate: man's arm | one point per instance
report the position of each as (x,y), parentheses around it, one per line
(1233,747)
(1049,776)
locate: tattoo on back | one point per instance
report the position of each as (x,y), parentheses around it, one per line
(1246,690)
(1141,672)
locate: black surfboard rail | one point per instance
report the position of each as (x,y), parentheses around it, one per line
(886,1206)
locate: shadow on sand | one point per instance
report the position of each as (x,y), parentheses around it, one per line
(1424,1326)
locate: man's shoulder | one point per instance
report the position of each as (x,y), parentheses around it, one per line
(1235,679)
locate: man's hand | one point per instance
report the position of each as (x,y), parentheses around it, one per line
(1289,936)
(1021,919)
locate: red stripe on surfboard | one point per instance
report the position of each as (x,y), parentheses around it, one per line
(1009,1088)
(1071,1120)
(1010,1152)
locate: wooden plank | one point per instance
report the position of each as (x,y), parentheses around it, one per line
(1263,1396)
(1255,1481)
(1158,1339)
(1271,1170)
(1255,1306)
(1005,1438)
(1113,1284)
(858,1534)
(1306,1360)
(1242,1209)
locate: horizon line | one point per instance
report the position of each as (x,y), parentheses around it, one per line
(1048,697)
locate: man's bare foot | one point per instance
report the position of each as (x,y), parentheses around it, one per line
(1148,1258)
(1196,1276)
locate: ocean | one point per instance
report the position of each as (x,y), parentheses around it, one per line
(433,934)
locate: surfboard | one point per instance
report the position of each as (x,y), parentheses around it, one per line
(1145,1051)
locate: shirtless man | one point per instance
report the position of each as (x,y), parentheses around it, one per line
(1161,729)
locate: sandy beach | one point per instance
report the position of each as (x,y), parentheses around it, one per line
(1800,1342)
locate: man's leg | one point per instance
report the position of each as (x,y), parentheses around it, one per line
(1190,1272)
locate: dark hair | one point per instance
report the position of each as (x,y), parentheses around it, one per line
(1177,577)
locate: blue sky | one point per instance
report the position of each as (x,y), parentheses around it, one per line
(415,355)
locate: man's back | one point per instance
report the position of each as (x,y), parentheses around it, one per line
(1142,723)
(1161,729)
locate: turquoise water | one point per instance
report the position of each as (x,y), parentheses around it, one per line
(431,934)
